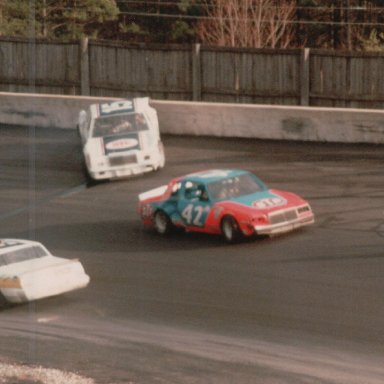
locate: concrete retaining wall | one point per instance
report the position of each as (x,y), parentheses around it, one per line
(213,119)
(43,110)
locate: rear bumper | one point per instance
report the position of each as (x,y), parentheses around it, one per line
(46,281)
(24,294)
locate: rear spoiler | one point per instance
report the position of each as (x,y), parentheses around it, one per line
(156,192)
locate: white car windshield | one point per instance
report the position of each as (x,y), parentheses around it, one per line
(118,124)
(22,254)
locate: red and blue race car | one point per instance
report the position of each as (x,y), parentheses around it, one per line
(234,203)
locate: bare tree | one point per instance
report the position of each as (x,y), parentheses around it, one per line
(248,23)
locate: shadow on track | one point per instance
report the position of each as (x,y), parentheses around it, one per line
(126,236)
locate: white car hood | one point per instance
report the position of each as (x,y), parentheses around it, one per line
(114,145)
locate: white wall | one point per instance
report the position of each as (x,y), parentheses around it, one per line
(213,119)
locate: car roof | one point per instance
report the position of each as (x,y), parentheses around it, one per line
(212,175)
(128,105)
(11,244)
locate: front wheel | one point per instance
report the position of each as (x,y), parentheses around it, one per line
(163,224)
(230,229)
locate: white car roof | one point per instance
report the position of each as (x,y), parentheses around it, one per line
(7,245)
(136,104)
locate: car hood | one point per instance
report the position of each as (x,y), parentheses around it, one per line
(266,200)
(108,145)
(121,143)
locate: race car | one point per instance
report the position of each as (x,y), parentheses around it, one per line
(233,203)
(28,272)
(120,138)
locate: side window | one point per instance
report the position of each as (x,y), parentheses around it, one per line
(204,194)
(195,191)
(190,190)
(140,122)
(175,189)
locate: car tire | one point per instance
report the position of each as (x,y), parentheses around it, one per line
(162,223)
(89,180)
(230,229)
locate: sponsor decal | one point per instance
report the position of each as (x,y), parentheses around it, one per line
(121,144)
(116,107)
(269,202)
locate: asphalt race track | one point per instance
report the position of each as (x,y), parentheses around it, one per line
(306,307)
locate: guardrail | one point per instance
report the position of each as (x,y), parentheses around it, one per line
(211,119)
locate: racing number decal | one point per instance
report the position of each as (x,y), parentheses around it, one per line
(195,215)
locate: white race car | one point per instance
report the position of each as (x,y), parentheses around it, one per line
(121,138)
(29,272)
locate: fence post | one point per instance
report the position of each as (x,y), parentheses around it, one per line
(304,77)
(196,73)
(85,89)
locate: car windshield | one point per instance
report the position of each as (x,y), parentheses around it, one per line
(118,124)
(23,254)
(237,186)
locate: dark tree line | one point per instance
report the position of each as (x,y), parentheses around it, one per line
(340,24)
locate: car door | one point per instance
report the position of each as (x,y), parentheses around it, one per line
(193,204)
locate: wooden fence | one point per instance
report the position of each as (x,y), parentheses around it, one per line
(262,76)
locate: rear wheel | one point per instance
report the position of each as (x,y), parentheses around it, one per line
(230,229)
(163,224)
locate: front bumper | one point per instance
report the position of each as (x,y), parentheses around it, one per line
(287,226)
(126,165)
(114,173)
